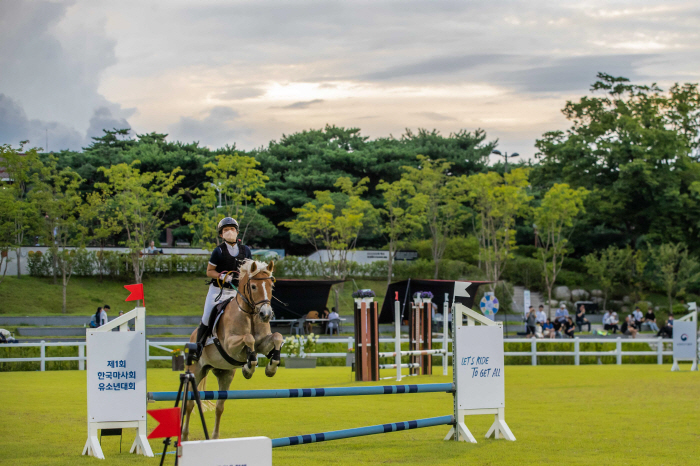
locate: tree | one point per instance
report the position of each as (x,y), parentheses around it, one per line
(333,221)
(498,202)
(21,212)
(610,266)
(675,269)
(402,211)
(136,203)
(57,192)
(233,190)
(554,219)
(444,197)
(635,148)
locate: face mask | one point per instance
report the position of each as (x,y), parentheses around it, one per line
(230,236)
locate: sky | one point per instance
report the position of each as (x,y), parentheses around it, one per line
(225,72)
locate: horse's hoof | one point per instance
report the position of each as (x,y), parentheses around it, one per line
(271,368)
(248,372)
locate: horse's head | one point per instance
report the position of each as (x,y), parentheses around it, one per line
(255,285)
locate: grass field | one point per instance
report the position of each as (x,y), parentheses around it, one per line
(177,294)
(640,414)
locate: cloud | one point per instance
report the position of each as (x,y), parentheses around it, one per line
(16,127)
(436,116)
(302,105)
(52,59)
(217,128)
(240,93)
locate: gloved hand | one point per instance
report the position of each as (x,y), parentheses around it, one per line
(226,278)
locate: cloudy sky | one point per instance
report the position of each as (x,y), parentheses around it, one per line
(224,72)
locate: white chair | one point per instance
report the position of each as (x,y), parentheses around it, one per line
(333,324)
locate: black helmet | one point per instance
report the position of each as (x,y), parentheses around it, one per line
(227,222)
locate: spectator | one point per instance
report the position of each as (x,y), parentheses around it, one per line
(557,328)
(561,313)
(324,315)
(334,314)
(608,322)
(548,329)
(581,318)
(638,318)
(152,249)
(101,317)
(650,320)
(569,327)
(541,315)
(628,327)
(531,322)
(667,330)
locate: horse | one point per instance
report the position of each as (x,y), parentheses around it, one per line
(244,331)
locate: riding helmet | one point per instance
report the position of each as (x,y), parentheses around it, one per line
(227,222)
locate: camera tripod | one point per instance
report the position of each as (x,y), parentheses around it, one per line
(187,382)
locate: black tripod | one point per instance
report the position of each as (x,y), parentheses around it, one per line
(187,381)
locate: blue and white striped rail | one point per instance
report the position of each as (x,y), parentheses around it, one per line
(309,392)
(360,431)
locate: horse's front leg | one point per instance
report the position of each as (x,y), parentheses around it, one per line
(270,345)
(243,347)
(224,377)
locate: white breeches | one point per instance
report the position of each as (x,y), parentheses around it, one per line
(211,300)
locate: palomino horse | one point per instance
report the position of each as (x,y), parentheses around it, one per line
(244,331)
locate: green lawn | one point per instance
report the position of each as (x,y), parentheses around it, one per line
(177,294)
(636,414)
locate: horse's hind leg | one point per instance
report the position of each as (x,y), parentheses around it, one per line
(224,377)
(270,345)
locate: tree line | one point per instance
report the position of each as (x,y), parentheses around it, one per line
(624,179)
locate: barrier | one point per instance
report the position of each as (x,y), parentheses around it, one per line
(478,385)
(685,340)
(116,381)
(367,339)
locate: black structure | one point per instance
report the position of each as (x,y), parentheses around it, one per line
(406,288)
(295,298)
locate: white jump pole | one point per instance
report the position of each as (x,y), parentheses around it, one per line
(445,314)
(397,337)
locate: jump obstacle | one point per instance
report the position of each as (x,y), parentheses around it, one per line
(420,334)
(478,386)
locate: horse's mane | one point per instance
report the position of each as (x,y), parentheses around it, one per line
(248,264)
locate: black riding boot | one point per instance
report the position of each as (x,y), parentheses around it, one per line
(202,332)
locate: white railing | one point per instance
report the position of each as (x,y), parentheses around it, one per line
(533,353)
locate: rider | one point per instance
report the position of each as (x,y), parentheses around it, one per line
(223,267)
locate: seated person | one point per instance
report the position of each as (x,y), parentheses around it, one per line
(569,327)
(561,313)
(667,330)
(638,318)
(557,328)
(541,315)
(581,318)
(307,325)
(650,320)
(152,249)
(324,315)
(629,327)
(610,322)
(548,329)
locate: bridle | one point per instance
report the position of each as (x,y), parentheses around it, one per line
(253,306)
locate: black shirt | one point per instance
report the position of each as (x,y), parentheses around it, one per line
(223,260)
(650,315)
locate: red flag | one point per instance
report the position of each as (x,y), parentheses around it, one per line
(136,292)
(169,423)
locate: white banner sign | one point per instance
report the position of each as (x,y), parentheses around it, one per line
(480,379)
(251,451)
(116,376)
(526,301)
(685,340)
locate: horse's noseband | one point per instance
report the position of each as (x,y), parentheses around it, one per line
(253,306)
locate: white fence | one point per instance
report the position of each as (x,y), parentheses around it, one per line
(536,349)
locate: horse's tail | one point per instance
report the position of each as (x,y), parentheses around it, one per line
(206,405)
